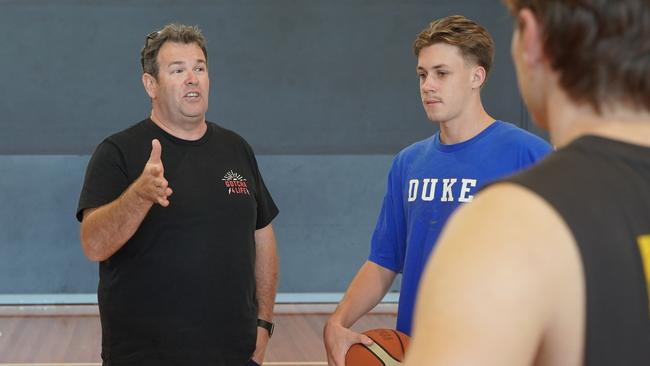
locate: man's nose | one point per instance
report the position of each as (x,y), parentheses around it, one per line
(192,79)
(429,85)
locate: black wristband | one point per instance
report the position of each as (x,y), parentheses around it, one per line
(266,325)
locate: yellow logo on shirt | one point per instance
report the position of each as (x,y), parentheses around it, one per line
(644,248)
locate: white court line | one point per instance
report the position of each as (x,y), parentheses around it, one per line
(306,363)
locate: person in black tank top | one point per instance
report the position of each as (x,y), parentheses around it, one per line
(551,266)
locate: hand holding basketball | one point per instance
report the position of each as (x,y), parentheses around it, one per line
(388,349)
(338,340)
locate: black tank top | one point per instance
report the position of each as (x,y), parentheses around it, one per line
(601,189)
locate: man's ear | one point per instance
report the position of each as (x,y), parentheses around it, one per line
(478,77)
(530,37)
(150,85)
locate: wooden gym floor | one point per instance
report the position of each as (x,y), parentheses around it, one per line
(58,335)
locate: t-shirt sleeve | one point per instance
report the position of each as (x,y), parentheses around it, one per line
(533,150)
(266,208)
(528,149)
(105,179)
(388,244)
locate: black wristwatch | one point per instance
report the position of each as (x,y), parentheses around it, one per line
(266,325)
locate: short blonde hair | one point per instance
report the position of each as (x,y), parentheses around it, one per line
(474,42)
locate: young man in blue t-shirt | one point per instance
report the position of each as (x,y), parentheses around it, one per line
(431,178)
(551,266)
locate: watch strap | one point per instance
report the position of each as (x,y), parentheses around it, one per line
(266,325)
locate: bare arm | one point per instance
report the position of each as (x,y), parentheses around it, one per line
(104,230)
(266,282)
(503,278)
(266,271)
(365,291)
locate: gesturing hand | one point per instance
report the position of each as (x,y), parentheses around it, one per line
(152,185)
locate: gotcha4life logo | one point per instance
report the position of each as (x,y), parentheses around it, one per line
(235,183)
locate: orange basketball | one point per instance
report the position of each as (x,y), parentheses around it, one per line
(388,349)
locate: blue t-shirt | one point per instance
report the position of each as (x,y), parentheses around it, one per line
(427,182)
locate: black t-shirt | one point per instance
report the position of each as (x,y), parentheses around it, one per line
(182,289)
(601,189)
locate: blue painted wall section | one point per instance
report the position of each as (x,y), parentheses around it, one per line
(328,209)
(325,91)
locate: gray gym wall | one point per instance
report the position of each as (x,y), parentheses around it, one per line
(325,92)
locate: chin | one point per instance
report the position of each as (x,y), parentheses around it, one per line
(191,118)
(435,117)
(194,114)
(431,115)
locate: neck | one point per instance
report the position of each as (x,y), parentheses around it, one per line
(465,126)
(186,130)
(568,121)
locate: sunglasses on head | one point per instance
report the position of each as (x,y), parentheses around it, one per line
(150,37)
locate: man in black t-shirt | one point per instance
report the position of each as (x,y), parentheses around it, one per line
(175,210)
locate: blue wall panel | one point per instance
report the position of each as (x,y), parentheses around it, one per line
(325,91)
(328,209)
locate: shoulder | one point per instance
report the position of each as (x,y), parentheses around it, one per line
(130,132)
(509,251)
(564,168)
(520,207)
(419,146)
(223,134)
(134,135)
(415,150)
(510,227)
(510,134)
